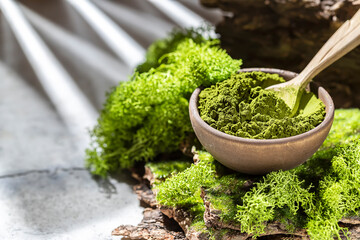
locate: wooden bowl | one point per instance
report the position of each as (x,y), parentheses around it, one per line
(254,156)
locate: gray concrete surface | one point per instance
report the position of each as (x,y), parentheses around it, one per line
(45,192)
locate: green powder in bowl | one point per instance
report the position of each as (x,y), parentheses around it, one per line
(241,106)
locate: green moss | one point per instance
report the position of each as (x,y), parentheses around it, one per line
(241,106)
(345,129)
(308,196)
(216,234)
(199,225)
(315,195)
(165,169)
(330,177)
(169,44)
(338,193)
(149,114)
(183,190)
(226,194)
(277,191)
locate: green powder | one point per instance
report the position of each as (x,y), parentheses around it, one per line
(241,106)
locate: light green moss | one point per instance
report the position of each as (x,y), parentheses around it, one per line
(165,169)
(338,193)
(169,44)
(329,177)
(314,195)
(149,114)
(278,190)
(226,194)
(183,190)
(198,225)
(345,129)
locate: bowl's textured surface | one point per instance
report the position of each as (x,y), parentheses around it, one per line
(253,156)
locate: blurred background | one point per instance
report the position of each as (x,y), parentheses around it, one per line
(57,61)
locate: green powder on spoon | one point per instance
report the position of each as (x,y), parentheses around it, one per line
(241,106)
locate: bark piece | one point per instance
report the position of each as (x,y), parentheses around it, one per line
(149,176)
(137,172)
(145,195)
(351,220)
(154,226)
(187,144)
(354,232)
(181,216)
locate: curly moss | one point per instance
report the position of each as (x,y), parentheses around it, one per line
(169,44)
(315,195)
(149,115)
(338,193)
(323,190)
(183,190)
(278,190)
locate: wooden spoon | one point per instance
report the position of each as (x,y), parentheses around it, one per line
(345,39)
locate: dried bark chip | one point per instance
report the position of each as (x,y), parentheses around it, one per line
(145,195)
(154,226)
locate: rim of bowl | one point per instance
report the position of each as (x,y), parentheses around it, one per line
(329,115)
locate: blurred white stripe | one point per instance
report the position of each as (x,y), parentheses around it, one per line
(70,102)
(181,15)
(117,39)
(78,50)
(148,26)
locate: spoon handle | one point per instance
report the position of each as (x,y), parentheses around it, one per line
(346,38)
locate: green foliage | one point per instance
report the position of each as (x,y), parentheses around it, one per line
(169,44)
(320,192)
(165,169)
(149,115)
(226,194)
(345,129)
(278,190)
(183,189)
(338,193)
(315,195)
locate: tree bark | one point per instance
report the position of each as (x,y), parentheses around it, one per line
(154,226)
